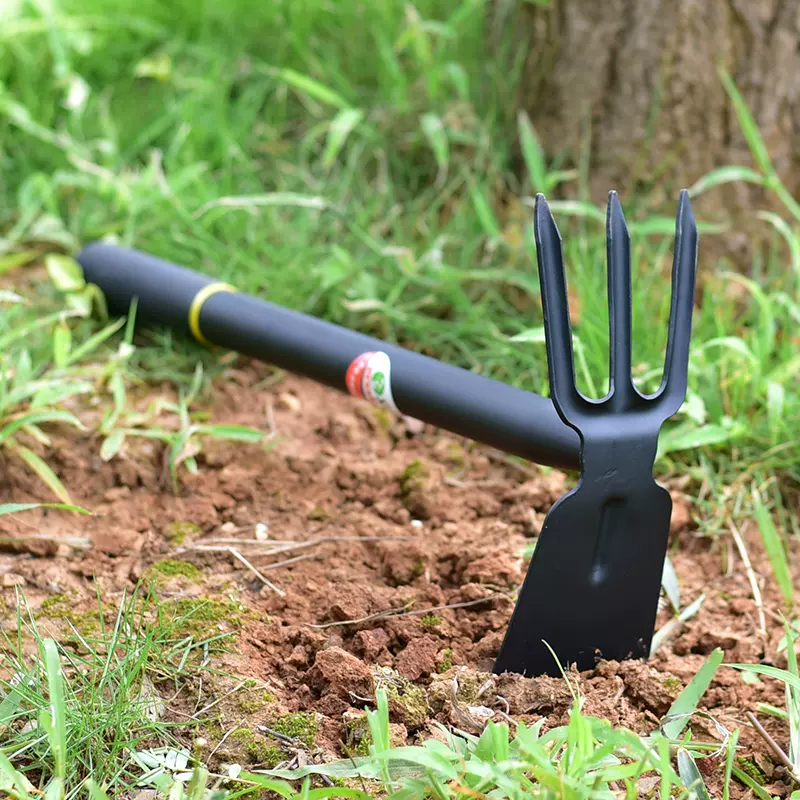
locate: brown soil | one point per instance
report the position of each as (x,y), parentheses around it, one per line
(408,518)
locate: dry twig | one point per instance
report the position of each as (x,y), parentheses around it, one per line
(751,576)
(266,581)
(774,746)
(401,612)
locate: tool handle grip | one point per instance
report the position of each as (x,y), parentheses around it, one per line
(440,394)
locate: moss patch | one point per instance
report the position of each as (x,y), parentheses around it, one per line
(252,701)
(179,532)
(54,606)
(752,769)
(430,621)
(407,702)
(447,660)
(413,477)
(303,726)
(357,736)
(60,606)
(195,616)
(257,749)
(173,568)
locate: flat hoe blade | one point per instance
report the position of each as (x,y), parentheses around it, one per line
(591,591)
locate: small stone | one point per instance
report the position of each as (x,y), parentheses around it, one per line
(11,579)
(288,401)
(413,426)
(298,657)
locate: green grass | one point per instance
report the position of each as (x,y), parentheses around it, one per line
(91,712)
(94,708)
(375,185)
(378,193)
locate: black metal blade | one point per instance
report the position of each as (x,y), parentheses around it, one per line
(591,591)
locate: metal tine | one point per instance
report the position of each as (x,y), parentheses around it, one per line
(565,395)
(684,264)
(622,392)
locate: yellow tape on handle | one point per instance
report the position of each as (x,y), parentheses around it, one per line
(197,306)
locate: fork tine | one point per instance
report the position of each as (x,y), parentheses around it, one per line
(618,247)
(684,266)
(558,331)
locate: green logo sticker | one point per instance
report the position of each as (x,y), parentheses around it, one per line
(377,380)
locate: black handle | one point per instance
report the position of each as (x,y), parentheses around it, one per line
(440,394)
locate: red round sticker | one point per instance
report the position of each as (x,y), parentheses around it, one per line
(355,374)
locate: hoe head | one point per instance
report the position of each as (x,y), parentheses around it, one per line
(592,587)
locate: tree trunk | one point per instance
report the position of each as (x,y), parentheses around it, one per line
(635,83)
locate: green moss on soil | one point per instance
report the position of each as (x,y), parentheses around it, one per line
(60,606)
(195,616)
(752,769)
(179,532)
(302,725)
(456,455)
(52,606)
(430,621)
(357,736)
(413,477)
(250,702)
(173,568)
(418,568)
(257,749)
(447,660)
(407,702)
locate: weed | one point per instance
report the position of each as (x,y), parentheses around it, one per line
(302,725)
(179,532)
(447,660)
(172,568)
(257,749)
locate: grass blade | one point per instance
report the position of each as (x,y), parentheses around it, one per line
(36,418)
(685,704)
(747,124)
(690,775)
(532,153)
(723,175)
(55,685)
(483,210)
(751,784)
(436,135)
(773,544)
(340,128)
(729,762)
(44,472)
(669,580)
(16,508)
(235,433)
(312,88)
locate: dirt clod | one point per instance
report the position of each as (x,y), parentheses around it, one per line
(384,533)
(338,672)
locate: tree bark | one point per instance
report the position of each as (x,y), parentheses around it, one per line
(635,83)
